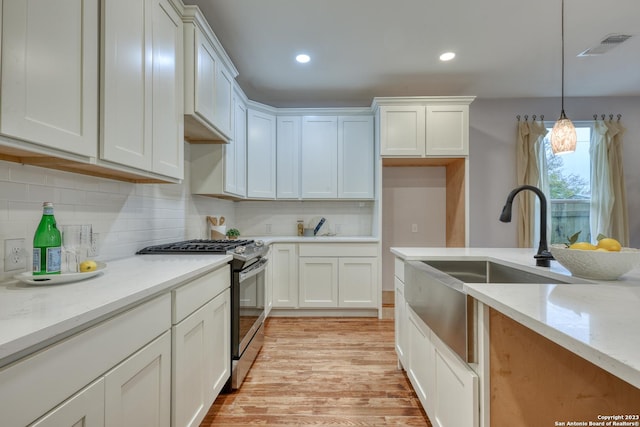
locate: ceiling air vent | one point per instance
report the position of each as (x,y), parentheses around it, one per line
(606,45)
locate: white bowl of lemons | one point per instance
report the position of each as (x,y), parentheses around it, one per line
(607,260)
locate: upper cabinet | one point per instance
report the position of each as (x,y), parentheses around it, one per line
(261,154)
(288,135)
(142,92)
(319,157)
(209,82)
(355,157)
(423,126)
(57,108)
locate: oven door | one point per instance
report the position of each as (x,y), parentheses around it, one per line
(248,305)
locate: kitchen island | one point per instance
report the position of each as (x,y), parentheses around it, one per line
(546,335)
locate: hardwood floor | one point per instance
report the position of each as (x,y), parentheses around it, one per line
(322,372)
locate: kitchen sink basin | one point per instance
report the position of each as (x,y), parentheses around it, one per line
(489,272)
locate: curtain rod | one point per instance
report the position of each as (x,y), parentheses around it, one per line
(603,116)
(526,117)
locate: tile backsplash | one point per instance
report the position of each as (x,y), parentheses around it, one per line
(131,216)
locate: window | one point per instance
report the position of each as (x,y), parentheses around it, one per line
(569,178)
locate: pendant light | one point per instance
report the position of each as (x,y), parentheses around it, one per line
(563,134)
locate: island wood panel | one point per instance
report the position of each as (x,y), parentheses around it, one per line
(323,371)
(535,382)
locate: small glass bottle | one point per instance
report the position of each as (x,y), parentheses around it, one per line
(300,227)
(47,244)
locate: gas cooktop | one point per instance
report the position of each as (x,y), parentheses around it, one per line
(195,246)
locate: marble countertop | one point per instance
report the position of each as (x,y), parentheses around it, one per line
(599,321)
(32,317)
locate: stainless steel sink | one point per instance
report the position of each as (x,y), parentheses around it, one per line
(489,272)
(435,292)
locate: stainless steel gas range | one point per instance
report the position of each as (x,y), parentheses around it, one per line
(247,294)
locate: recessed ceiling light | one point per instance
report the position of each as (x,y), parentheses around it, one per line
(303,58)
(447,56)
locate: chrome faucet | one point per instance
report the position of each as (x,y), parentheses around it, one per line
(543,257)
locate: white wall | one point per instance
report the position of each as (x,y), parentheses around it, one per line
(411,195)
(492,139)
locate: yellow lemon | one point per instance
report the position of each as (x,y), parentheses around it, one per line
(612,245)
(87,266)
(585,246)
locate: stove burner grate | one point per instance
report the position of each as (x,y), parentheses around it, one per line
(195,246)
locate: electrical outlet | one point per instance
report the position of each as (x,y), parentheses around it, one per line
(268,228)
(338,228)
(414,228)
(15,255)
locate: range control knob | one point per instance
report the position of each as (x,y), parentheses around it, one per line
(259,243)
(240,250)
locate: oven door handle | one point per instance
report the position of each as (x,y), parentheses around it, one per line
(255,269)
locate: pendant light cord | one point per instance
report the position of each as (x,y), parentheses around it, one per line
(562,115)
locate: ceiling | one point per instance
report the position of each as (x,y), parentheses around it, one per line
(365,48)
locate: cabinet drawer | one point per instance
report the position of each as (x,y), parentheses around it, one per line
(195,294)
(32,386)
(338,249)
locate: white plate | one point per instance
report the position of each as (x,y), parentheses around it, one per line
(58,279)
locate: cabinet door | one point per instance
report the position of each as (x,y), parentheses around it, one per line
(127,83)
(201,360)
(358,282)
(447,130)
(138,391)
(402,131)
(421,370)
(224,106)
(319,157)
(57,108)
(288,157)
(261,155)
(85,408)
(284,263)
(205,78)
(318,282)
(168,99)
(401,323)
(355,157)
(455,402)
(236,152)
(268,286)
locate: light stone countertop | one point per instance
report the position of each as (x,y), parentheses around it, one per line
(599,321)
(32,317)
(270,239)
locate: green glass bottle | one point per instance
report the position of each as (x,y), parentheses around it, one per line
(47,244)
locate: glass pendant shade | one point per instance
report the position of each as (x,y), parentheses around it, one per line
(563,136)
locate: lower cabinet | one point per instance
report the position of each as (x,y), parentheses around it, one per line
(85,408)
(284,274)
(338,275)
(446,386)
(401,320)
(201,346)
(138,390)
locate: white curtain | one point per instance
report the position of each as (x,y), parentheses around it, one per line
(531,168)
(608,210)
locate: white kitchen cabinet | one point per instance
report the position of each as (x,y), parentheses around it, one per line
(57,108)
(138,390)
(446,386)
(209,82)
(319,157)
(201,360)
(318,282)
(235,181)
(268,284)
(341,275)
(142,86)
(356,282)
(401,323)
(220,169)
(289,134)
(85,408)
(261,154)
(355,157)
(284,265)
(423,126)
